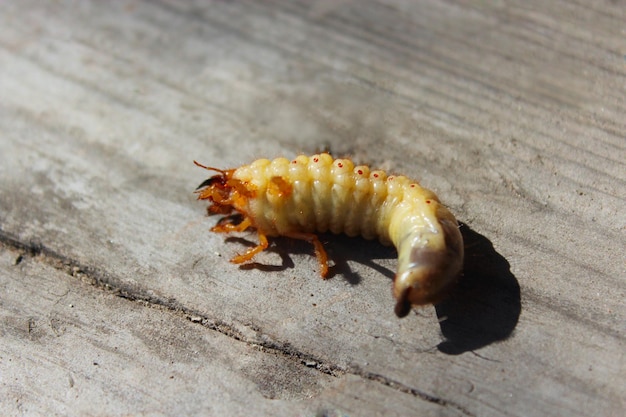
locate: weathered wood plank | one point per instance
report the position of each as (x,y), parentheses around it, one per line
(513,113)
(69,350)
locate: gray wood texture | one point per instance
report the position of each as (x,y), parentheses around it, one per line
(115,299)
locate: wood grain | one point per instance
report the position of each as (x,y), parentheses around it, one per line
(117,300)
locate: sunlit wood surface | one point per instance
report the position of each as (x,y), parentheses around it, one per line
(115,299)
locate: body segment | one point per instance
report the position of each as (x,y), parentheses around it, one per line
(317,194)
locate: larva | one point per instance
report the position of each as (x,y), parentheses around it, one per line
(316,194)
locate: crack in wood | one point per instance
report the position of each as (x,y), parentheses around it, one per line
(398,386)
(102,280)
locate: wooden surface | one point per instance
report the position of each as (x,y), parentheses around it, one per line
(115,299)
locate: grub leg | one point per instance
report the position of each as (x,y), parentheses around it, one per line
(232,227)
(320,253)
(250,253)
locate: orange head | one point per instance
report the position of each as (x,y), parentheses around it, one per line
(218,190)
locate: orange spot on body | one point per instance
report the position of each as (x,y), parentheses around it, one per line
(279,187)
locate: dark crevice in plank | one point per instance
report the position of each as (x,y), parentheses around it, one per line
(408,390)
(105,281)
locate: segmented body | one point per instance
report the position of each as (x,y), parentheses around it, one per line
(317,194)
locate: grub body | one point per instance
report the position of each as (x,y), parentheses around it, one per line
(317,194)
